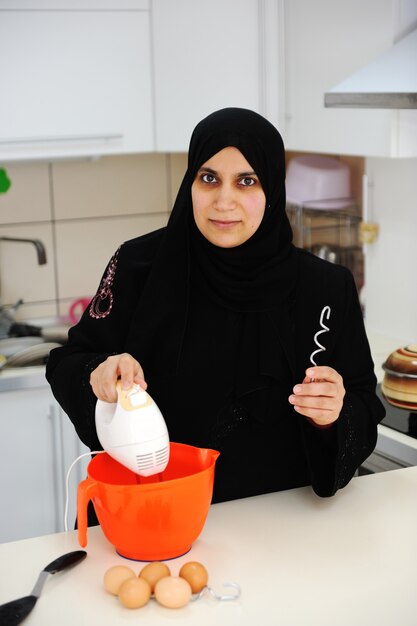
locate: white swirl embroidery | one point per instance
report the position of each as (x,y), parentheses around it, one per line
(104,291)
(324,329)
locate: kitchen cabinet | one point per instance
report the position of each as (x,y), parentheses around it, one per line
(38,445)
(96,77)
(326,41)
(101,77)
(210,56)
(76,79)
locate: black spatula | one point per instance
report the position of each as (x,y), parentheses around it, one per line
(14,612)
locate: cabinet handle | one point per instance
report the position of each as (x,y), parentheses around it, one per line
(62,138)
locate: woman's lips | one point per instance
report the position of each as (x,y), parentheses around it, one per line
(224,224)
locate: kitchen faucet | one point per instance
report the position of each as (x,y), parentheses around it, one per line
(6,315)
(40,248)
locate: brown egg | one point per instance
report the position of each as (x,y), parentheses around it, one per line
(115,576)
(154,572)
(195,574)
(134,593)
(172,592)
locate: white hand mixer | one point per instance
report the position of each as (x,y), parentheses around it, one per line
(133,431)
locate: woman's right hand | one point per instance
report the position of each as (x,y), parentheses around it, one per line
(103,379)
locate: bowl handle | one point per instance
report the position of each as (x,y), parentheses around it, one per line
(86,490)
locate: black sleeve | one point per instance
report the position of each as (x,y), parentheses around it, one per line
(101,332)
(335,453)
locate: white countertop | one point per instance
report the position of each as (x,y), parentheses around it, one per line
(16,378)
(300,561)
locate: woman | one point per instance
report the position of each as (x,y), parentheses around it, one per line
(223,319)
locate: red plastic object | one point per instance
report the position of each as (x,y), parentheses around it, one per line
(155,518)
(77,308)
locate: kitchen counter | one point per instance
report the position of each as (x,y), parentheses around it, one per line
(16,378)
(300,561)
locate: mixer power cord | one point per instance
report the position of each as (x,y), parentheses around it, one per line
(67,482)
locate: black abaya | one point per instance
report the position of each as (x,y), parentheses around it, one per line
(224,334)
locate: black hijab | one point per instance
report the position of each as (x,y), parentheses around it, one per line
(253,278)
(259,273)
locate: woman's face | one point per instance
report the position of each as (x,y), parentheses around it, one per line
(228,200)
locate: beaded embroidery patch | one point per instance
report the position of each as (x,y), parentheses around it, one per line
(102,303)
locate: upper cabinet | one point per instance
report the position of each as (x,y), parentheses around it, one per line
(208,56)
(326,41)
(76,78)
(93,77)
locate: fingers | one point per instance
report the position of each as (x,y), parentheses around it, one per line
(103,379)
(130,371)
(323,372)
(320,400)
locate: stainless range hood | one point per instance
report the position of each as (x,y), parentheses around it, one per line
(388,82)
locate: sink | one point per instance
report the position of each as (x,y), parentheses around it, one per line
(31,355)
(12,345)
(31,341)
(31,350)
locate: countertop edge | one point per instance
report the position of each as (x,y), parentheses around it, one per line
(22,378)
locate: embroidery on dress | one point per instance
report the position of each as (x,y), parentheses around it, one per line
(104,293)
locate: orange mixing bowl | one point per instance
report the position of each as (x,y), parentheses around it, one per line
(154,518)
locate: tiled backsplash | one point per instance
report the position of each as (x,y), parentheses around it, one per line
(81,211)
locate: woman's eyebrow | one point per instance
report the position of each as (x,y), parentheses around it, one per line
(207,169)
(251,173)
(238,175)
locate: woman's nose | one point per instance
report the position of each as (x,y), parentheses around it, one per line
(226,198)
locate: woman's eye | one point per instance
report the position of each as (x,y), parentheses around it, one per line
(208,178)
(247,182)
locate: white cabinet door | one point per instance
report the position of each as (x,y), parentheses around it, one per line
(74,83)
(207,55)
(36,447)
(326,41)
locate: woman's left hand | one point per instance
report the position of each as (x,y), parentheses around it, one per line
(320,396)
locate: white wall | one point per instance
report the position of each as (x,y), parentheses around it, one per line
(391,262)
